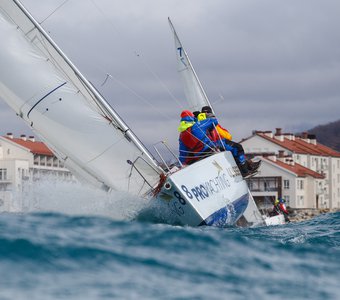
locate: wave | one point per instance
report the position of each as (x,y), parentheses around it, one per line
(99,255)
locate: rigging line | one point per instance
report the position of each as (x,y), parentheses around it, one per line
(94,98)
(138,55)
(53,11)
(109,76)
(220,99)
(108,20)
(105,150)
(220,138)
(213,150)
(205,134)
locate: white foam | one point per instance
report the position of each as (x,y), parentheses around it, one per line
(74,198)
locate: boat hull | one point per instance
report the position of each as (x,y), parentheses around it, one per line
(275,220)
(209,192)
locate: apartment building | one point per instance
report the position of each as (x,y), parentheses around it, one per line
(305,172)
(22,161)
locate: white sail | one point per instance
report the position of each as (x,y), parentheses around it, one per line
(193,90)
(252,213)
(48,92)
(197,98)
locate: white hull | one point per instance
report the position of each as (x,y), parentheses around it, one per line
(275,220)
(209,192)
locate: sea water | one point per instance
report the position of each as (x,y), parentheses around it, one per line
(71,242)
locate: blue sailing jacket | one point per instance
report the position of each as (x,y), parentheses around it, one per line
(194,141)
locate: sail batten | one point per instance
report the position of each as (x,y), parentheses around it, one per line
(44,87)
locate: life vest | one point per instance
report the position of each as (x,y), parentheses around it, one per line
(213,135)
(193,144)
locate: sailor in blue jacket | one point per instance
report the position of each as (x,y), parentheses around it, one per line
(194,143)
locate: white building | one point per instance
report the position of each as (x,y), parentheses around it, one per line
(307,173)
(282,177)
(24,160)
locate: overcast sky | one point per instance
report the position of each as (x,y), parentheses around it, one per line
(264,63)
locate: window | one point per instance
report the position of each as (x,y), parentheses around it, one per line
(287,200)
(286,184)
(3,174)
(300,184)
(300,200)
(266,186)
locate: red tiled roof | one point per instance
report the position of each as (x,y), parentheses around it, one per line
(298,169)
(34,147)
(302,147)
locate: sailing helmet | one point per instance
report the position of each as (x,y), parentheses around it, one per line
(276,202)
(281,200)
(186,113)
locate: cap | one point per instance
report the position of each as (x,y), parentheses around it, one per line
(206,109)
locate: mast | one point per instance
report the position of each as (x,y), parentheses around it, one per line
(101,102)
(50,94)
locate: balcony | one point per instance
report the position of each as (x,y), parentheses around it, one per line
(5,180)
(265,184)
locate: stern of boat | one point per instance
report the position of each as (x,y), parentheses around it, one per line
(209,192)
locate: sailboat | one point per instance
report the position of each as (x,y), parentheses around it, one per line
(46,90)
(196,99)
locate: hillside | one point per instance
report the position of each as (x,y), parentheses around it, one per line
(328,134)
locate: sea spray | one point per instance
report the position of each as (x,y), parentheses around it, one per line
(75,198)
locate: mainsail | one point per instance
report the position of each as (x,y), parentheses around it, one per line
(48,92)
(193,90)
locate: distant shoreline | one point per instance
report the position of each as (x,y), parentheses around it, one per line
(303,214)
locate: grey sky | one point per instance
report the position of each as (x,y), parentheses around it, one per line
(263,63)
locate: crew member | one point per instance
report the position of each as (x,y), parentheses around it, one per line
(222,138)
(194,143)
(280,208)
(218,131)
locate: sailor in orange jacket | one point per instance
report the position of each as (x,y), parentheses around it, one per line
(218,132)
(222,137)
